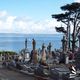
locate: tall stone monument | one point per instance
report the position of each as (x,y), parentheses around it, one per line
(64,56)
(26,43)
(35,55)
(49,50)
(43,60)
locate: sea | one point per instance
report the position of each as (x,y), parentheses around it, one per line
(16,42)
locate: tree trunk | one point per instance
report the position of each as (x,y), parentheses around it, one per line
(73,42)
(73,45)
(74,37)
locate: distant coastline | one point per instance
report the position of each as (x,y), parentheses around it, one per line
(21,34)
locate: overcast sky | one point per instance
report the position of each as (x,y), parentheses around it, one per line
(30,16)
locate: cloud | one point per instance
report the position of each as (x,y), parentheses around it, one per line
(3,13)
(18,24)
(77,0)
(10,20)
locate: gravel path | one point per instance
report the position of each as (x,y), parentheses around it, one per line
(6,74)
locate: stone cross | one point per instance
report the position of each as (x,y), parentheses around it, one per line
(49,47)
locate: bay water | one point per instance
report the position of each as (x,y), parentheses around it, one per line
(16,42)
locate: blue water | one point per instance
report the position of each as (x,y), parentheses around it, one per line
(15,42)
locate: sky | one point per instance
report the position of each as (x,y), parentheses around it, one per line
(30,16)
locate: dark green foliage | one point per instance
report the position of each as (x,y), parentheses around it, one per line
(61,16)
(71,7)
(60,29)
(71,17)
(8,52)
